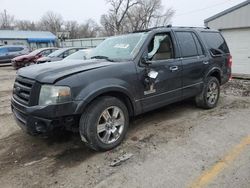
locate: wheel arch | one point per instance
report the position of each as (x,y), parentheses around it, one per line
(215,72)
(119,93)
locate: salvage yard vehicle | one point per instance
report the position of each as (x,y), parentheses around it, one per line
(8,52)
(58,55)
(29,59)
(79,55)
(126,76)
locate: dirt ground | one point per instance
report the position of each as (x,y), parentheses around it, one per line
(170,147)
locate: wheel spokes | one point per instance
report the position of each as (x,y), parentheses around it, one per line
(115,113)
(118,122)
(212,93)
(106,115)
(110,124)
(107,136)
(101,128)
(115,133)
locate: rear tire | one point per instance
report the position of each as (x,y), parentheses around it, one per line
(104,123)
(210,94)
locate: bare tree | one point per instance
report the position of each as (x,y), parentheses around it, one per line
(130,15)
(6,20)
(73,28)
(25,25)
(51,22)
(88,29)
(113,21)
(149,13)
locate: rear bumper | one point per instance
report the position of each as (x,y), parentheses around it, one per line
(43,120)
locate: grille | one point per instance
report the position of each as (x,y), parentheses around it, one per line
(22,90)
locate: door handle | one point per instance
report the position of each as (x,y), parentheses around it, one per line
(205,62)
(173,68)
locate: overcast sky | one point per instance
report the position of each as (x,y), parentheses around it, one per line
(188,12)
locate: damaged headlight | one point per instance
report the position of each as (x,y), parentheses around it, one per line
(50,94)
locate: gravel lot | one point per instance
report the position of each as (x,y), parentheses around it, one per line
(170,147)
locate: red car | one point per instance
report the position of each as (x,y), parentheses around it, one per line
(29,59)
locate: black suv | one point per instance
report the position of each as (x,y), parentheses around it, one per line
(126,75)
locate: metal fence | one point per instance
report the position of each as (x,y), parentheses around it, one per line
(83,42)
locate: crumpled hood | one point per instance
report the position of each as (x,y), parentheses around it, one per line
(52,71)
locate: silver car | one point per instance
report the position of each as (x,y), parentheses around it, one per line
(58,55)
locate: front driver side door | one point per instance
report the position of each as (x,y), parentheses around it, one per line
(166,88)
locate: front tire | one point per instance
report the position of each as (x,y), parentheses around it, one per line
(104,123)
(210,94)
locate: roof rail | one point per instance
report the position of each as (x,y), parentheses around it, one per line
(149,29)
(167,26)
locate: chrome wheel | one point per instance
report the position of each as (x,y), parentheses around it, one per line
(110,125)
(212,93)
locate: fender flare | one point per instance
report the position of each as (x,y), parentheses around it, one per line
(101,91)
(214,70)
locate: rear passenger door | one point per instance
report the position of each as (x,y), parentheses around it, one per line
(194,62)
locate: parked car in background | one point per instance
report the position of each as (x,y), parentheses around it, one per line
(9,52)
(26,60)
(79,55)
(58,55)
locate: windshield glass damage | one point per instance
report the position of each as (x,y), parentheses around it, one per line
(124,47)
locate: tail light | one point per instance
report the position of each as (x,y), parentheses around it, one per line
(229,61)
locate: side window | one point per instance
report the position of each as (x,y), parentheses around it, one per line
(216,43)
(198,45)
(45,52)
(187,44)
(72,51)
(15,49)
(160,47)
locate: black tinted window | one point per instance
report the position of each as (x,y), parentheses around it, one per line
(216,43)
(187,44)
(198,45)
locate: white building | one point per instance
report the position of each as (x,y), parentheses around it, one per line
(234,23)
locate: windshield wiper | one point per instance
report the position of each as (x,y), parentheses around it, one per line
(102,57)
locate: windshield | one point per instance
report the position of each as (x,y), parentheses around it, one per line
(56,53)
(35,52)
(81,55)
(124,47)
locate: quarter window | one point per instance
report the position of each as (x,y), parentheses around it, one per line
(216,43)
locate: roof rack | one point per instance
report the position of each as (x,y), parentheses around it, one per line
(167,26)
(150,29)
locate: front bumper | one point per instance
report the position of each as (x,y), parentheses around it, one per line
(44,119)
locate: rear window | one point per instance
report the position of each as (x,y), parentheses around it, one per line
(216,43)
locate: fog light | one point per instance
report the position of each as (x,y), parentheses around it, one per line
(40,127)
